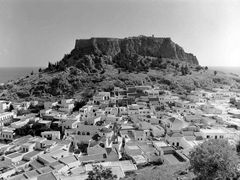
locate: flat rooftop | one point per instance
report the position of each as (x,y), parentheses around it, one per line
(32,173)
(14,155)
(32,154)
(160,143)
(125,165)
(213,130)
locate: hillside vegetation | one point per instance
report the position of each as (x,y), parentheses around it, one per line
(102,63)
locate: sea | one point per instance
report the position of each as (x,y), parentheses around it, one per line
(233,70)
(13,73)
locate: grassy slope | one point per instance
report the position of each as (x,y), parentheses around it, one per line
(74,84)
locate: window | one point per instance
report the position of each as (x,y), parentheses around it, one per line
(215,137)
(79,133)
(83,133)
(173,144)
(104,156)
(208,136)
(177,143)
(88,133)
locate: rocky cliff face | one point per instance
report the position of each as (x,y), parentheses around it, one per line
(127,47)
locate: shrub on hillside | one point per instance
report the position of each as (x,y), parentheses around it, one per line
(214,159)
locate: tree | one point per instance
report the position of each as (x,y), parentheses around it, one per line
(206,68)
(10,108)
(184,70)
(238,147)
(22,112)
(50,66)
(198,68)
(100,173)
(214,159)
(78,105)
(96,137)
(61,66)
(215,73)
(72,147)
(40,70)
(176,65)
(32,73)
(82,147)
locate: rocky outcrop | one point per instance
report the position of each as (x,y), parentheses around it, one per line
(141,46)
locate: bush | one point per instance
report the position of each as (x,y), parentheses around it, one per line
(82,147)
(214,159)
(198,68)
(78,105)
(100,173)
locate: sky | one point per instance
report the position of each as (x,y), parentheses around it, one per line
(35,32)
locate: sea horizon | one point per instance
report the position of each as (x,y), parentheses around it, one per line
(226,69)
(13,73)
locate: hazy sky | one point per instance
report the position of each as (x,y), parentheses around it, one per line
(34,32)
